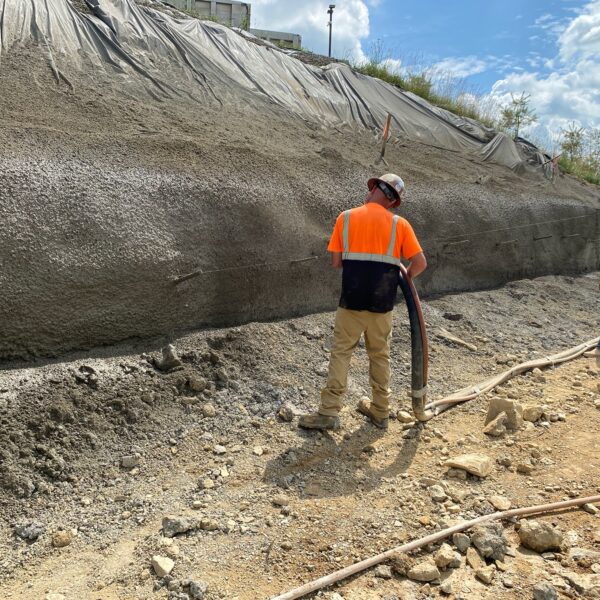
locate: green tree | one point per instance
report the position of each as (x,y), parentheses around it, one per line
(517,114)
(592,146)
(572,141)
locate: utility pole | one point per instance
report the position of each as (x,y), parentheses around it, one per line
(330,13)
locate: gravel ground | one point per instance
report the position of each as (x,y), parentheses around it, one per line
(221,457)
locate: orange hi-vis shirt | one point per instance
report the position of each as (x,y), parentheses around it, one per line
(372,233)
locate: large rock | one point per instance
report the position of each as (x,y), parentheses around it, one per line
(499,502)
(544,591)
(198,589)
(446,557)
(532,412)
(162,565)
(496,427)
(490,541)
(30,531)
(476,464)
(539,536)
(474,560)
(171,526)
(401,563)
(425,571)
(512,409)
(587,585)
(461,541)
(437,493)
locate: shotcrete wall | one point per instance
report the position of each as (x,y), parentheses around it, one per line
(89,252)
(136,147)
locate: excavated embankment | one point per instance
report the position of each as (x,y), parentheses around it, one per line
(113,184)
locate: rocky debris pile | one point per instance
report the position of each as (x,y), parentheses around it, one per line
(489,554)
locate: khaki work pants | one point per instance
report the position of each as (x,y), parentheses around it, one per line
(349,326)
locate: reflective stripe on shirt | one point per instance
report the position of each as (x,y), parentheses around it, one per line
(383,258)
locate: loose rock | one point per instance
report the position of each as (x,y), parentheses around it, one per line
(446,556)
(405,417)
(425,571)
(198,589)
(489,539)
(61,539)
(171,526)
(497,426)
(461,541)
(499,502)
(532,412)
(280,500)
(401,563)
(383,572)
(286,413)
(486,574)
(169,359)
(544,591)
(513,411)
(162,565)
(437,493)
(30,531)
(539,536)
(476,464)
(130,461)
(208,410)
(474,560)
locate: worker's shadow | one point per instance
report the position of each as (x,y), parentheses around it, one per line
(325,467)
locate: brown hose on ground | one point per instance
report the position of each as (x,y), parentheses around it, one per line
(322,582)
(473,391)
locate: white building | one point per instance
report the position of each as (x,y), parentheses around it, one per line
(227,12)
(280,38)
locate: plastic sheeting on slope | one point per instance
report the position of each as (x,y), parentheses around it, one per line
(204,61)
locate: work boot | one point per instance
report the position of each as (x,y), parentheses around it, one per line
(364,407)
(318,421)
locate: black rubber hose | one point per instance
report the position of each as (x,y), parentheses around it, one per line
(419,347)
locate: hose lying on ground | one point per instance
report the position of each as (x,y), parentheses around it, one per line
(471,392)
(322,582)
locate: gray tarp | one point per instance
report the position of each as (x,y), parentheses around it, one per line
(203,61)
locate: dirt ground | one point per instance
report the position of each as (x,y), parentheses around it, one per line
(222,458)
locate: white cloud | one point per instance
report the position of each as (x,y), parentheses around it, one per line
(582,36)
(571,92)
(460,67)
(310,19)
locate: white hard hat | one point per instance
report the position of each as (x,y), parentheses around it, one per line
(391,180)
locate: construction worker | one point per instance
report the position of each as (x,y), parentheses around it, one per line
(367,243)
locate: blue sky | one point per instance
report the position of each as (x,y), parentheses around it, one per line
(549,49)
(503,35)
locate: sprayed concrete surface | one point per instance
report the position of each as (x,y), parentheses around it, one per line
(108,195)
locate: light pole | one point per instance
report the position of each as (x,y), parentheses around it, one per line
(330,13)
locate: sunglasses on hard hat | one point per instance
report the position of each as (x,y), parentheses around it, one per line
(391,196)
